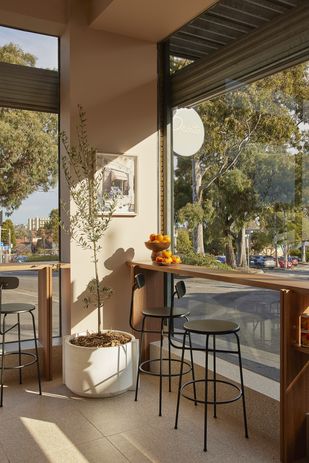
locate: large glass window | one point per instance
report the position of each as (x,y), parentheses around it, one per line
(29,177)
(241,202)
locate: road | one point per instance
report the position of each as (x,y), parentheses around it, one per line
(28,292)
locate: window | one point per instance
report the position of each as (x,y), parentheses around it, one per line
(29,160)
(242,202)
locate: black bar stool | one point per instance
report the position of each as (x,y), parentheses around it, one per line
(164,314)
(211,328)
(16,309)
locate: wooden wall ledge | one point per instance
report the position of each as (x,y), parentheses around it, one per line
(12,267)
(274,282)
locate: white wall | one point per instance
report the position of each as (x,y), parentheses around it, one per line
(114,79)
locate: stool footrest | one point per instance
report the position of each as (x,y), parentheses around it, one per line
(211,402)
(164,375)
(18,367)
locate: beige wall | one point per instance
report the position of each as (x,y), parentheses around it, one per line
(46,16)
(114,79)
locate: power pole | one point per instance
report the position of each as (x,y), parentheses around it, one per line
(1,247)
(9,245)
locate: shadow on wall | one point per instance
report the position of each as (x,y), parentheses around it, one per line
(116,309)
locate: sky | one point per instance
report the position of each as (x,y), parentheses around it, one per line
(45,49)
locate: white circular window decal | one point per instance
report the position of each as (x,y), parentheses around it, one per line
(188,132)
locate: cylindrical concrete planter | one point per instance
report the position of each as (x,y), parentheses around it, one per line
(100,372)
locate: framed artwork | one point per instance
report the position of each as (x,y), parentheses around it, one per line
(119,180)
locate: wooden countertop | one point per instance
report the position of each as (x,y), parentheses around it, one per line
(274,282)
(14,266)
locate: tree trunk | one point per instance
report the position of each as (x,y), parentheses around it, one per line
(242,258)
(229,251)
(238,249)
(199,239)
(198,234)
(303,252)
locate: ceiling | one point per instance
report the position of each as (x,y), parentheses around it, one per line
(225,22)
(146,20)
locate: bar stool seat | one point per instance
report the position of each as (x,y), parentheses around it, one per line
(211,326)
(164,312)
(15,308)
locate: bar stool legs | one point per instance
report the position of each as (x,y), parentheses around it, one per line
(180,378)
(193,374)
(206,381)
(161,351)
(19,347)
(140,359)
(37,353)
(242,387)
(20,365)
(206,394)
(169,367)
(2,361)
(215,377)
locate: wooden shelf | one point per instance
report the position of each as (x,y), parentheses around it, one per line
(263,280)
(299,348)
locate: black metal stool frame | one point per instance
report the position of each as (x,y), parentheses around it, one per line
(13,283)
(139,283)
(206,380)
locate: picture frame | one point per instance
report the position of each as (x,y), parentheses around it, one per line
(119,180)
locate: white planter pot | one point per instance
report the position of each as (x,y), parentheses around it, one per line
(100,372)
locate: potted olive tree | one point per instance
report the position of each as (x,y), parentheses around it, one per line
(100,363)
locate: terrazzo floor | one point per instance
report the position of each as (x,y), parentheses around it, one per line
(60,427)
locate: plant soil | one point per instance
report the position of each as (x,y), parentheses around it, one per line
(106,339)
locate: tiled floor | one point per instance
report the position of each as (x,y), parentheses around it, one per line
(59,427)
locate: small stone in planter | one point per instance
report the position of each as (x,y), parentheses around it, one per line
(106,339)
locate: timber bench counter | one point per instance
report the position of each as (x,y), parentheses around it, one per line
(45,291)
(294,360)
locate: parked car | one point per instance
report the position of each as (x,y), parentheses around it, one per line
(221,259)
(259,261)
(269,262)
(253,261)
(295,260)
(282,262)
(21,259)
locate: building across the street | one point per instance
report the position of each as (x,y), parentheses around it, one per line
(34,223)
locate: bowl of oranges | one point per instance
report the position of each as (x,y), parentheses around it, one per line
(166,257)
(159,244)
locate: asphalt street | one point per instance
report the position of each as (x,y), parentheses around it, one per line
(27,292)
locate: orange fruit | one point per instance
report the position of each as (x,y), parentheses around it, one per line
(159,259)
(166,238)
(152,237)
(166,253)
(168,260)
(159,237)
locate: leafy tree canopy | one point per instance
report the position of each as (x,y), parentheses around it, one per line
(13,54)
(8,233)
(28,145)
